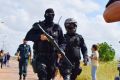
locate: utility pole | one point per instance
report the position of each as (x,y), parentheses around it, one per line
(4,38)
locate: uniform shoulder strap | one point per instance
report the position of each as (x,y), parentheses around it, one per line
(78,35)
(66,37)
(35,25)
(20,45)
(57,26)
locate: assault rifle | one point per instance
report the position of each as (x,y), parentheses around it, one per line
(54,43)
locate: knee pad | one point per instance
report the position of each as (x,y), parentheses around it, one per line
(42,67)
(67,77)
(66,74)
(78,70)
(42,72)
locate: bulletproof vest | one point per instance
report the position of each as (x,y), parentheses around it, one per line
(45,46)
(51,30)
(72,46)
(72,40)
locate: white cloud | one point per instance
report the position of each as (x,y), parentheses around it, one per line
(18,17)
(10,39)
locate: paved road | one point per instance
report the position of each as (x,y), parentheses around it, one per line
(11,72)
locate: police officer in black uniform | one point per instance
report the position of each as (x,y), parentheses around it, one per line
(74,43)
(24,53)
(44,52)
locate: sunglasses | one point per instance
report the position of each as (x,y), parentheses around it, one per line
(70,24)
(70,28)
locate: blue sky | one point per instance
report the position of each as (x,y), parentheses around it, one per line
(19,15)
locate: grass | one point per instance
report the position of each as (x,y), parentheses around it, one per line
(105,71)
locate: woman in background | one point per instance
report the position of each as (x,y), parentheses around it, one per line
(94,61)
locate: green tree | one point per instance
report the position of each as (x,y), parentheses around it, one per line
(106,52)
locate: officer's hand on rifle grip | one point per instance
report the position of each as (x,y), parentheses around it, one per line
(43,37)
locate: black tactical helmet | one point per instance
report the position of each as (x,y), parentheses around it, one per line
(49,10)
(70,25)
(69,21)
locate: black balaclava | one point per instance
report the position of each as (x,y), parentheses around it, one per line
(49,15)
